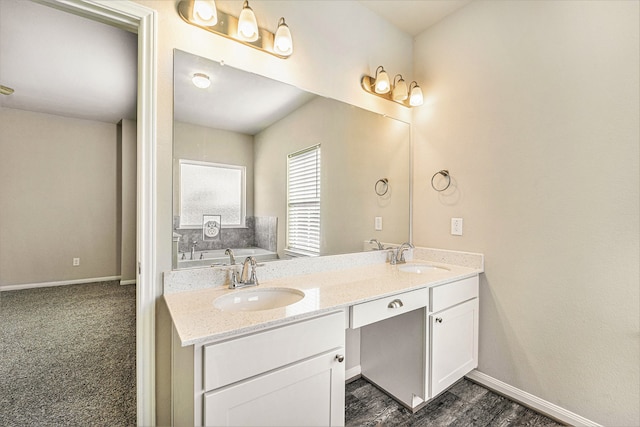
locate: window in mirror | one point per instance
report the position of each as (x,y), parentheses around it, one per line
(303,202)
(212,189)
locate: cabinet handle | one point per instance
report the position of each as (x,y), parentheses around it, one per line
(396,303)
(438,319)
(340,358)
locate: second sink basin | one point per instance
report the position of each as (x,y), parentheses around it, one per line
(419,268)
(258,299)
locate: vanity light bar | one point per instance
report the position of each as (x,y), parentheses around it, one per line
(397,92)
(227,26)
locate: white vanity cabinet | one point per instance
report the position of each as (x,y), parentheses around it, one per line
(453,332)
(291,375)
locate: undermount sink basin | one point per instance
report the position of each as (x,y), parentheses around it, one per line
(419,268)
(258,299)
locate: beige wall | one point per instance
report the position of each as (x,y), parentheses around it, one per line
(193,142)
(128,189)
(533,107)
(358,148)
(58,192)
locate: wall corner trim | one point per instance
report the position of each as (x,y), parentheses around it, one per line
(526,399)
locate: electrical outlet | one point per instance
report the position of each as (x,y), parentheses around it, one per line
(76,262)
(456,226)
(378,223)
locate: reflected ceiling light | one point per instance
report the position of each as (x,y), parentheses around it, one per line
(201,80)
(381,84)
(283,43)
(415,96)
(247,24)
(4,90)
(396,92)
(204,12)
(244,29)
(399,92)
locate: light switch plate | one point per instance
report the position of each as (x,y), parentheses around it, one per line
(378,223)
(456,226)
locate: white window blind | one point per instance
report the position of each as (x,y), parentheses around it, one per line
(303,202)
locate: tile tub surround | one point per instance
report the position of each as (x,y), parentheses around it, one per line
(353,279)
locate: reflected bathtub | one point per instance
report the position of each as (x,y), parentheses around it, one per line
(217,257)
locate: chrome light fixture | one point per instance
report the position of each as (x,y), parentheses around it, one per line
(283,43)
(244,29)
(399,92)
(415,96)
(247,24)
(201,80)
(396,92)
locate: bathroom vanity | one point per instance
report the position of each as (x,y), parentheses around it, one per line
(418,326)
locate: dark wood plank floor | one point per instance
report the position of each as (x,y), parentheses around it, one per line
(464,404)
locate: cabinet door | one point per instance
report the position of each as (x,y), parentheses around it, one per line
(454,344)
(307,393)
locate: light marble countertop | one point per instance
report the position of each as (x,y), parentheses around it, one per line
(197,321)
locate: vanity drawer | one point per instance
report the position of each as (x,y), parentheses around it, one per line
(384,308)
(453,293)
(234,360)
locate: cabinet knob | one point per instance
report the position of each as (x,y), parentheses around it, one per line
(340,357)
(438,319)
(396,303)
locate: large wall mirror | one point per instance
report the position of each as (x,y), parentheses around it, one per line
(275,172)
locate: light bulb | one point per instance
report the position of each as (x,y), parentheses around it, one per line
(247,24)
(283,43)
(415,98)
(399,92)
(201,80)
(205,13)
(382,84)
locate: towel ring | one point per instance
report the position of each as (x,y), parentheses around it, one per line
(444,173)
(382,186)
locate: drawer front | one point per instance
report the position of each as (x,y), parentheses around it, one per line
(384,308)
(453,293)
(234,360)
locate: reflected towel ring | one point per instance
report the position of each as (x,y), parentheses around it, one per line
(382,186)
(444,173)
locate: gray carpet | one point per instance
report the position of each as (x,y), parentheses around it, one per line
(67,356)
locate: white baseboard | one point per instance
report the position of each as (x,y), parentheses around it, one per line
(352,372)
(60,283)
(128,282)
(529,400)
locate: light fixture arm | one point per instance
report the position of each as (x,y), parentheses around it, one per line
(368,85)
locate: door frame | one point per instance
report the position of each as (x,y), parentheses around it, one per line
(130,16)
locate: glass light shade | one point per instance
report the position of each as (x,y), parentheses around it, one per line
(205,12)
(415,98)
(201,80)
(247,24)
(283,43)
(400,92)
(382,84)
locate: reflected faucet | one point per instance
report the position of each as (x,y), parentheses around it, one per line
(380,247)
(193,248)
(232,258)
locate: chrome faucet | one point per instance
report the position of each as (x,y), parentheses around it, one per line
(193,248)
(400,252)
(246,278)
(380,247)
(232,258)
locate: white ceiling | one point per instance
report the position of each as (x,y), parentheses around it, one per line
(63,64)
(414,16)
